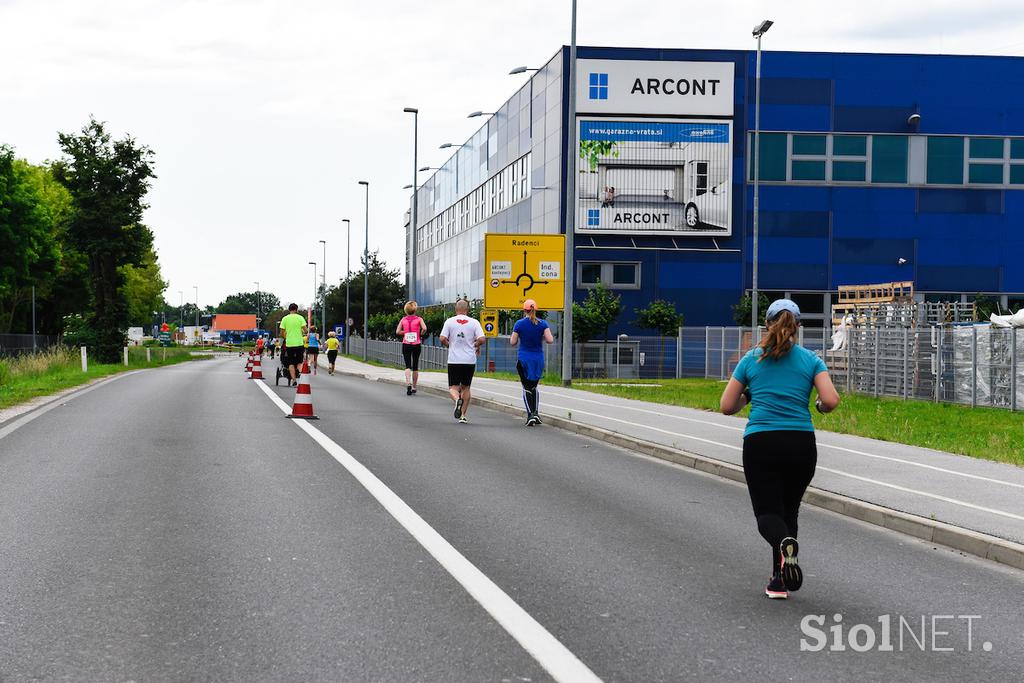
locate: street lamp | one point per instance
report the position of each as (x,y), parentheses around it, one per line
(475,114)
(181,304)
(348,273)
(449,144)
(430,168)
(323,302)
(312,306)
(366,273)
(196,287)
(521,70)
(759,31)
(258,316)
(570,212)
(415,208)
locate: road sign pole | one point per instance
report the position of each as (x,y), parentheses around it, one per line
(570,210)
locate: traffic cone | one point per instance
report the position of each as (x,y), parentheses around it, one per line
(248,365)
(257,369)
(303,406)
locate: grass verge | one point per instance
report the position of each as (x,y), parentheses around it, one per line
(988,433)
(30,376)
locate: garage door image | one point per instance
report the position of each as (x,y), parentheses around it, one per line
(654,177)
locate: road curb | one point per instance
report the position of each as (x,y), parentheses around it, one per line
(933,531)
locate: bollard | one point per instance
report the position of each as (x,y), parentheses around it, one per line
(85,360)
(165,354)
(148,356)
(126,356)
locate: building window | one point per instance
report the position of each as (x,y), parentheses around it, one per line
(809,145)
(945,160)
(614,275)
(771,157)
(804,169)
(889,158)
(593,218)
(849,160)
(598,86)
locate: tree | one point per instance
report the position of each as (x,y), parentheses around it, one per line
(28,226)
(143,290)
(250,302)
(661,316)
(108,181)
(741,311)
(387,293)
(597,313)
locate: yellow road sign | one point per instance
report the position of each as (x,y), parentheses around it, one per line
(521,267)
(489,321)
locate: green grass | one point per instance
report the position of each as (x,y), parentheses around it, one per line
(30,376)
(987,433)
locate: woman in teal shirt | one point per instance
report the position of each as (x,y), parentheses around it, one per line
(779,451)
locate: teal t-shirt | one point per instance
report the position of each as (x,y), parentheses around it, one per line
(780,389)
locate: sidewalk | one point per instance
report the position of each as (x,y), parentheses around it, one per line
(930,494)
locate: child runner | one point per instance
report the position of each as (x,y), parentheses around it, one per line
(530,334)
(332,350)
(779,451)
(463,336)
(411,329)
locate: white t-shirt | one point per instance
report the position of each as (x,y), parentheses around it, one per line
(461,331)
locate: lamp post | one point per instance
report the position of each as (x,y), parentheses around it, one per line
(759,31)
(312,306)
(323,302)
(475,114)
(181,304)
(415,191)
(348,273)
(522,70)
(366,273)
(196,287)
(570,212)
(258,310)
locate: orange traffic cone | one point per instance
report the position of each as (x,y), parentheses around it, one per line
(303,406)
(257,369)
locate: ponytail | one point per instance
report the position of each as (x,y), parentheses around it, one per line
(532,316)
(779,338)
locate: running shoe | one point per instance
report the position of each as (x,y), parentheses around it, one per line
(790,569)
(776,589)
(463,420)
(537,418)
(458,409)
(532,420)
(408,390)
(414,390)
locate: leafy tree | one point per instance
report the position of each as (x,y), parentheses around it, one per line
(382,325)
(108,181)
(661,316)
(984,307)
(387,293)
(741,311)
(250,302)
(592,150)
(30,253)
(272,320)
(143,290)
(597,313)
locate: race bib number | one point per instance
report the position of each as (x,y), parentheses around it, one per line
(411,338)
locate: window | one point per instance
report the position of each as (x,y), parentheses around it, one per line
(598,86)
(809,145)
(945,160)
(986,161)
(889,158)
(849,158)
(849,145)
(808,170)
(615,275)
(771,157)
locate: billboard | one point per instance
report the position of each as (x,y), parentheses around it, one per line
(662,87)
(646,176)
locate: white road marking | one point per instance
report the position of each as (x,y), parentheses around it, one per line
(821,444)
(551,654)
(897,487)
(56,403)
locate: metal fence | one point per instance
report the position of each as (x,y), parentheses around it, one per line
(17,344)
(971,365)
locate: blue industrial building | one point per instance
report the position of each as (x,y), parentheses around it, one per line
(873,168)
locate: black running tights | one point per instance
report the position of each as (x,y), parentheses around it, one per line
(778,466)
(530,397)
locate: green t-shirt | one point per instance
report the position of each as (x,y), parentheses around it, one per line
(292,325)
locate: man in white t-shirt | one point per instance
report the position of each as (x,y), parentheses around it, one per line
(463,336)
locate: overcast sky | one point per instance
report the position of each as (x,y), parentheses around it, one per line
(264,114)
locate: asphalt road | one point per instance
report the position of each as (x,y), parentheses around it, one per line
(173,525)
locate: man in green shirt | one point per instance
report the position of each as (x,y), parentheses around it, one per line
(293,326)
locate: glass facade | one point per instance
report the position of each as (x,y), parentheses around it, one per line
(505,178)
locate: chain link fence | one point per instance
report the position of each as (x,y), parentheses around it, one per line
(17,344)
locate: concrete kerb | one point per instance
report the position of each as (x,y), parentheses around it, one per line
(970,542)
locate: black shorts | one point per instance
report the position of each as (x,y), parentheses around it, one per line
(291,356)
(461,374)
(332,356)
(411,354)
(313,351)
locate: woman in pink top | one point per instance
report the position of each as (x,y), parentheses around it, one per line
(411,329)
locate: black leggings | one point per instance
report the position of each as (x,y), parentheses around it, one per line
(411,354)
(530,396)
(778,466)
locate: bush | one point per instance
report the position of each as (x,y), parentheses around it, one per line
(78,331)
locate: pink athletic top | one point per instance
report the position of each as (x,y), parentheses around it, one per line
(411,328)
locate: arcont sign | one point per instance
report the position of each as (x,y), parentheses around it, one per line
(623,86)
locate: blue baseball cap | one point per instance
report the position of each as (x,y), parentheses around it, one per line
(780,305)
